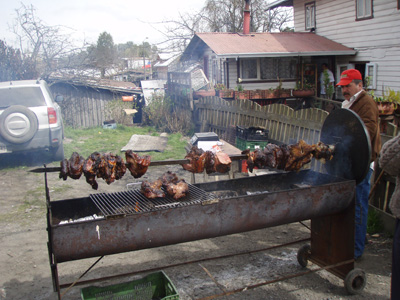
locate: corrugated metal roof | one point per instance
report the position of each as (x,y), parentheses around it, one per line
(269,44)
(107,84)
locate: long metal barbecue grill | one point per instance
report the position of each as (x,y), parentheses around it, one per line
(133,201)
(127,221)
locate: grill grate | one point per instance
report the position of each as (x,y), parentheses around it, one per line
(133,201)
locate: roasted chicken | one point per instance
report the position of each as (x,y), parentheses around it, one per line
(169,177)
(72,167)
(91,168)
(136,164)
(107,166)
(169,182)
(111,168)
(152,190)
(177,190)
(64,173)
(208,160)
(287,157)
(197,159)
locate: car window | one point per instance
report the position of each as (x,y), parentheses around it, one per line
(26,96)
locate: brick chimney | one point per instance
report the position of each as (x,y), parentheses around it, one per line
(246,18)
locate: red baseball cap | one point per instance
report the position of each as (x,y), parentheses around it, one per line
(348,76)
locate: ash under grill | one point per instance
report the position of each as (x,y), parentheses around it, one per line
(133,201)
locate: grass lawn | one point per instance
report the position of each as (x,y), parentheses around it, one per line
(89,140)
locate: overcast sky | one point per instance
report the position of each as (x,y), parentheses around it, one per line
(125,20)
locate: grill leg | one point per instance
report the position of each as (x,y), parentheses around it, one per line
(54,271)
(332,241)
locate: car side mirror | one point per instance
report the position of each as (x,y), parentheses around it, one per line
(59,98)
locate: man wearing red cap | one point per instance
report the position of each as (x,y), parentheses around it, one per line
(362,104)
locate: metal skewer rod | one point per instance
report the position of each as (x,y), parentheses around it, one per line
(153,163)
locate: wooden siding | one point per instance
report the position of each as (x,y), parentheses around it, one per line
(376,40)
(83,107)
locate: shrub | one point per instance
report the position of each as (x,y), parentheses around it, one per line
(114,110)
(374,223)
(162,114)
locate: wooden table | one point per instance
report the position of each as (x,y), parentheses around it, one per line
(235,167)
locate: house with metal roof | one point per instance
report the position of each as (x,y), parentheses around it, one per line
(262,60)
(369,27)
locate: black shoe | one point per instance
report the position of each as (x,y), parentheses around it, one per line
(359,258)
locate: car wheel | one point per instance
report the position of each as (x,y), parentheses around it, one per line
(18,124)
(58,153)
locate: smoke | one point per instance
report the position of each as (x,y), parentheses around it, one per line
(28,159)
(341,164)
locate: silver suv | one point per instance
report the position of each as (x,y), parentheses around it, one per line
(30,119)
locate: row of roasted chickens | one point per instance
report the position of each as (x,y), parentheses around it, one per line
(111,167)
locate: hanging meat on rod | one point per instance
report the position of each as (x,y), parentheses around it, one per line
(287,157)
(72,167)
(169,182)
(91,169)
(200,160)
(107,166)
(197,159)
(111,168)
(136,164)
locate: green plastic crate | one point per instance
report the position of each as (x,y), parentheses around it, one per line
(252,145)
(153,286)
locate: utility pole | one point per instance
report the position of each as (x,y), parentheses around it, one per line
(144,61)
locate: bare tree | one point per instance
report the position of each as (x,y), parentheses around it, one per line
(223,16)
(12,66)
(178,33)
(271,20)
(43,45)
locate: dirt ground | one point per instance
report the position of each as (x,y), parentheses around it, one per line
(25,269)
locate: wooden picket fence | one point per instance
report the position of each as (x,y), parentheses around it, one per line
(284,124)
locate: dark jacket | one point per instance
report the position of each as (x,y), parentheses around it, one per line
(367,109)
(389,161)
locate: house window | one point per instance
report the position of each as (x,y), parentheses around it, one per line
(268,68)
(249,68)
(363,9)
(274,68)
(370,72)
(310,15)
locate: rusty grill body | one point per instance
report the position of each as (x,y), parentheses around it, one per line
(127,221)
(259,202)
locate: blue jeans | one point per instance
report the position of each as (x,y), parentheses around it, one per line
(361,215)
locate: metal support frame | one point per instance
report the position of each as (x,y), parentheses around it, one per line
(332,241)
